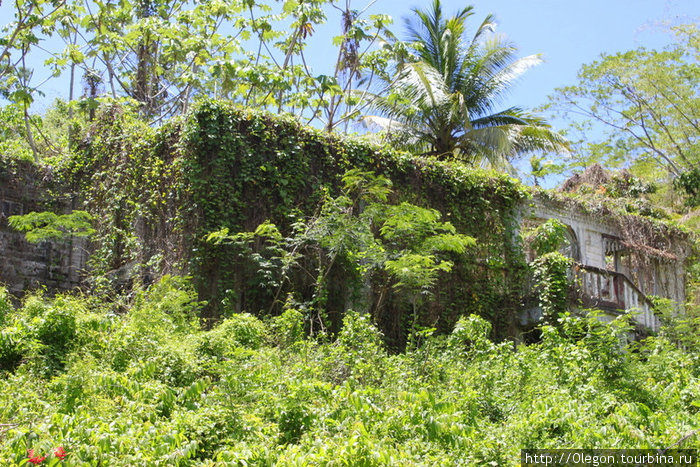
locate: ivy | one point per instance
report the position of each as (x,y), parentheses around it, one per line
(552,284)
(158,193)
(547,237)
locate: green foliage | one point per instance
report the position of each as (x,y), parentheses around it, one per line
(415,271)
(690,183)
(5,305)
(551,283)
(41,333)
(442,97)
(13,144)
(172,299)
(238,330)
(541,168)
(360,229)
(163,55)
(288,328)
(12,348)
(471,333)
(42,226)
(460,400)
(216,183)
(645,101)
(359,350)
(167,308)
(547,237)
(120,174)
(625,185)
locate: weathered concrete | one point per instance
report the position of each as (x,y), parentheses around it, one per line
(613,275)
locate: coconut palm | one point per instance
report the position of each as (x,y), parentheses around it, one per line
(444,102)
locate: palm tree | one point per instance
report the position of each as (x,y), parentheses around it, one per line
(443,102)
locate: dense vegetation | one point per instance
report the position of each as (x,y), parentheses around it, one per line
(150,387)
(158,195)
(263,293)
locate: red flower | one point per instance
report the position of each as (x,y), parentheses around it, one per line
(34,459)
(59,452)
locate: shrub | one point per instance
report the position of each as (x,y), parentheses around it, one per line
(12,347)
(358,351)
(171,304)
(288,328)
(470,332)
(239,330)
(43,331)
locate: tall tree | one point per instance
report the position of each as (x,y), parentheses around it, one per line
(444,100)
(163,54)
(646,101)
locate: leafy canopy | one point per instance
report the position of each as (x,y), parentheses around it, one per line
(648,104)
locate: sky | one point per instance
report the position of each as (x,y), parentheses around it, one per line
(568,34)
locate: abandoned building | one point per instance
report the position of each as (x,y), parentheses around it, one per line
(24,266)
(619,261)
(612,272)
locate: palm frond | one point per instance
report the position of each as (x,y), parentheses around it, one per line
(445,103)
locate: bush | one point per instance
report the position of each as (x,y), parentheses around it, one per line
(239,330)
(12,347)
(319,403)
(56,328)
(175,365)
(170,304)
(288,328)
(43,332)
(470,332)
(358,352)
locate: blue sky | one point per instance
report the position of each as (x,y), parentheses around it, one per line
(567,33)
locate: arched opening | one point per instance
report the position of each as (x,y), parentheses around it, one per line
(570,247)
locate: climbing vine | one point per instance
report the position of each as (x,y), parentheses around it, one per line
(547,237)
(157,193)
(400,247)
(552,284)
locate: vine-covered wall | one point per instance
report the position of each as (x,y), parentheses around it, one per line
(156,194)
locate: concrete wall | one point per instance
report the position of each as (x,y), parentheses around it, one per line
(596,235)
(24,266)
(590,232)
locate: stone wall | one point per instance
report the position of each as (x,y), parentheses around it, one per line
(24,266)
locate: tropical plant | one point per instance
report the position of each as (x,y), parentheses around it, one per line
(81,385)
(45,225)
(409,246)
(442,101)
(643,104)
(162,56)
